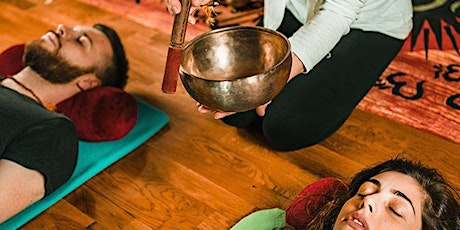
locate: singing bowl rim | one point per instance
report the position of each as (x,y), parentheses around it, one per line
(202,36)
(283,66)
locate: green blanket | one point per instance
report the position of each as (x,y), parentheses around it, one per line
(268,219)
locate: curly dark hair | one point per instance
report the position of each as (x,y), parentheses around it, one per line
(441,210)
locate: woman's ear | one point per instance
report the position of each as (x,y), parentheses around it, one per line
(87,81)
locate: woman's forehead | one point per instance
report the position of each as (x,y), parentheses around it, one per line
(393,178)
(399,181)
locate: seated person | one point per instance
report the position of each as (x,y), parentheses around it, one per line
(339,49)
(396,194)
(38,147)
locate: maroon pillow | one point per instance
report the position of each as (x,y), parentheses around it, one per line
(11,60)
(306,205)
(100,114)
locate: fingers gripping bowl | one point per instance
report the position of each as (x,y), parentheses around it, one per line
(236,68)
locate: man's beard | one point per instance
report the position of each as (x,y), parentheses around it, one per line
(51,66)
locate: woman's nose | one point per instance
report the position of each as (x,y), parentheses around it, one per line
(368,204)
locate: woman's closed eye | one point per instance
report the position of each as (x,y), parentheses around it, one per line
(361,196)
(400,204)
(367,188)
(395,212)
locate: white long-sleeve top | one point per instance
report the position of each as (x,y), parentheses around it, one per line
(316,38)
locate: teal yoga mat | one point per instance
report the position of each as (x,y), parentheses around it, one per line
(96,156)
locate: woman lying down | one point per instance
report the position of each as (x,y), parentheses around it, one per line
(396,194)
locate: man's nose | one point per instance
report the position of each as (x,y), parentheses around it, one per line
(65,32)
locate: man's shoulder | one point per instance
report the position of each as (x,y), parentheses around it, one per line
(19,113)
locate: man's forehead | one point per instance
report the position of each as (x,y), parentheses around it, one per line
(87,29)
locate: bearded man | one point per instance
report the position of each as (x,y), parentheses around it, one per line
(38,147)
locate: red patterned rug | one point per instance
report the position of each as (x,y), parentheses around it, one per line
(420,88)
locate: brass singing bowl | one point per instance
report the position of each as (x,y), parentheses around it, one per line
(236,68)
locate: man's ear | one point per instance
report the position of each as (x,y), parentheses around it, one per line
(87,81)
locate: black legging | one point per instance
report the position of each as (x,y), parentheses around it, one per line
(313,106)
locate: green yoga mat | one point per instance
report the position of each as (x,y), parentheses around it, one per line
(96,156)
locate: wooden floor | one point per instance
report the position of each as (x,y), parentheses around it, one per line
(198,173)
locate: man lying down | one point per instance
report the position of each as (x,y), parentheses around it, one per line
(39,147)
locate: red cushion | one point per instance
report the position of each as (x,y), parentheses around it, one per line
(11,60)
(101,114)
(306,205)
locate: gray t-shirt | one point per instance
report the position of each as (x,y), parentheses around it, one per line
(37,138)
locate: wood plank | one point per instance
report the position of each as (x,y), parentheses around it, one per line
(107,215)
(198,173)
(61,214)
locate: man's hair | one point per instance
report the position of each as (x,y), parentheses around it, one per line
(115,73)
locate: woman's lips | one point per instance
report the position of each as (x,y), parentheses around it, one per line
(356,222)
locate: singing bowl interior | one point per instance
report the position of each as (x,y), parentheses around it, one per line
(236,68)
